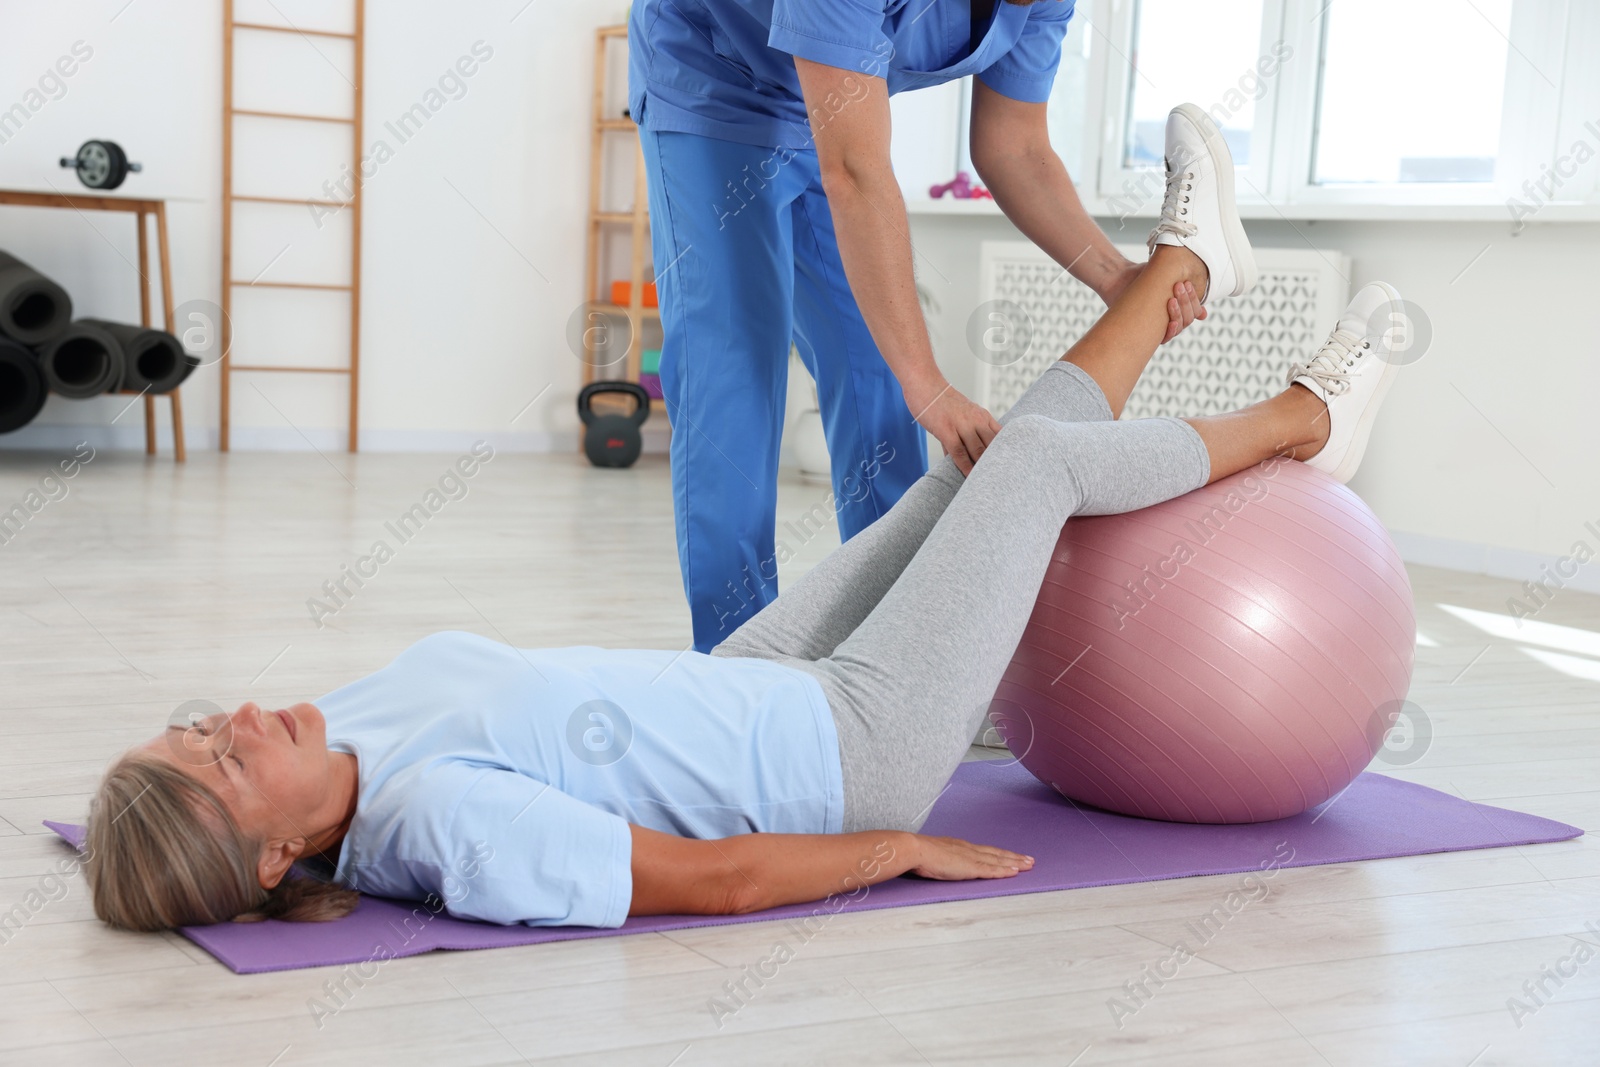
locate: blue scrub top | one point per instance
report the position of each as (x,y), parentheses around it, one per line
(725,68)
(502,781)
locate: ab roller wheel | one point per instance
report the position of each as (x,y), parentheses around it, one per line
(101,164)
(612,440)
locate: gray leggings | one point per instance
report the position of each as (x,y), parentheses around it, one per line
(909,625)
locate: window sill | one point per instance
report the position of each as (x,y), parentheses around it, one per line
(1307,212)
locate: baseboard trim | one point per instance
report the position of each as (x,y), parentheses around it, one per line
(1516,564)
(63,437)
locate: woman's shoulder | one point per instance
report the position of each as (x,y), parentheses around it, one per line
(451,639)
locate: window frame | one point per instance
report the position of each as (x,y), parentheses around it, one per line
(1535,33)
(1117,74)
(1546,120)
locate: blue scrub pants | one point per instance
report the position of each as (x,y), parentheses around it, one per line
(745,261)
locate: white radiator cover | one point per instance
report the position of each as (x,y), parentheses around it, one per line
(1240,354)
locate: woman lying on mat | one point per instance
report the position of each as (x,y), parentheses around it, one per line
(582,785)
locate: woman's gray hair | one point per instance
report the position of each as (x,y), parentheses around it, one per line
(162,851)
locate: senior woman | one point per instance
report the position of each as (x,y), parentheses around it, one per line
(579,786)
(775,217)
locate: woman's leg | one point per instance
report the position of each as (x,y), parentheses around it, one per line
(1117,348)
(1294,424)
(1090,383)
(813,614)
(909,687)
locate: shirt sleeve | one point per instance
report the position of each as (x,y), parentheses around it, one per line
(838,33)
(1028,70)
(502,847)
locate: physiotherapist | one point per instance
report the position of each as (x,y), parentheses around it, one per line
(775,216)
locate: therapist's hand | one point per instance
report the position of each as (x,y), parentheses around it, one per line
(964,429)
(1183,307)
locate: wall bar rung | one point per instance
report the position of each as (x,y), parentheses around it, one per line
(291,285)
(291,370)
(291,115)
(292,29)
(291,200)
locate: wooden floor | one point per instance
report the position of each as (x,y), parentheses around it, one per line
(147,585)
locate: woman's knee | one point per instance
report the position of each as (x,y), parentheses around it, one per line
(1023,437)
(1027,429)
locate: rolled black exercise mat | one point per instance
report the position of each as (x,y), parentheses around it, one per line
(22,389)
(33,309)
(83,361)
(151,359)
(189,364)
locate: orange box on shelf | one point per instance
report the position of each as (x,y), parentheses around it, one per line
(622,291)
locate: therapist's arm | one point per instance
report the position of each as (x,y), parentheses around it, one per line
(850,123)
(751,872)
(1010,144)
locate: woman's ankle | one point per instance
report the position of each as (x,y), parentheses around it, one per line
(1190,266)
(1304,422)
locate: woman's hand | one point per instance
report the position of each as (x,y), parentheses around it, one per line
(1183,307)
(964,429)
(950,859)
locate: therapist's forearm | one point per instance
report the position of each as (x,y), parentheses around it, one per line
(1032,187)
(869,219)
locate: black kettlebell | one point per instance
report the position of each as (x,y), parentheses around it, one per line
(612,440)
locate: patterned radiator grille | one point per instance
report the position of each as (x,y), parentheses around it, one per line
(1239,355)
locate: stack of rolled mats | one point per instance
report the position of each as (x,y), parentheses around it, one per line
(43,351)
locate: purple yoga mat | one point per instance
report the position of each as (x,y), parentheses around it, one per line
(993,802)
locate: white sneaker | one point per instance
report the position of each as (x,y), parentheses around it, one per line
(1198,212)
(1351,373)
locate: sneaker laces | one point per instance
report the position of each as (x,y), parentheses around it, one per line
(1330,367)
(1179,185)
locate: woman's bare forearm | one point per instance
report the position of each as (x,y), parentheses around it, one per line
(796,868)
(749,872)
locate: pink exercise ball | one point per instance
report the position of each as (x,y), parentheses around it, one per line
(1234,655)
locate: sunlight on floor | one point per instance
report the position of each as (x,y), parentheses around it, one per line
(1575,666)
(1551,635)
(1528,632)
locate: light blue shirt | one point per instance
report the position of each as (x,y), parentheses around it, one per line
(725,68)
(503,780)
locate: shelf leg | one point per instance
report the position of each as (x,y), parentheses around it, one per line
(179,452)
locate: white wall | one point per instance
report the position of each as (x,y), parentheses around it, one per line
(468,290)
(466,294)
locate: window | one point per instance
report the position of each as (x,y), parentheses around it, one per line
(1226,56)
(1181,53)
(1419,102)
(1069,119)
(1439,109)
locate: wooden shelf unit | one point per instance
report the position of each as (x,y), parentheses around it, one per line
(596,291)
(144,210)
